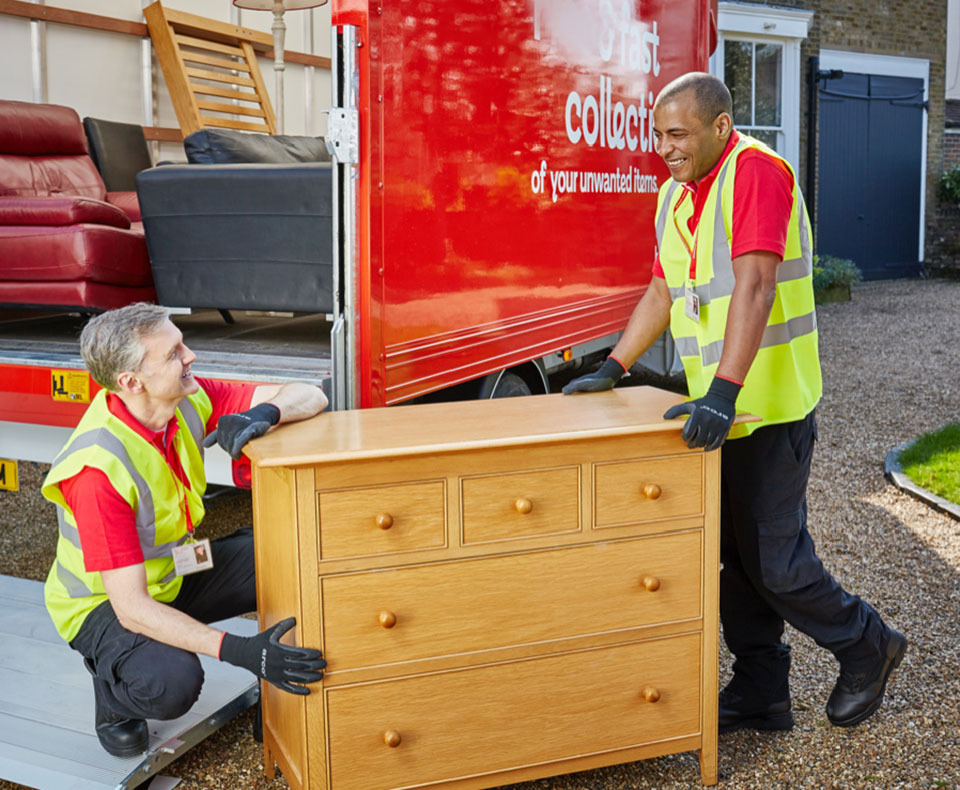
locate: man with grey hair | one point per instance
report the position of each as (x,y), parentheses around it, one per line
(129,590)
(733,281)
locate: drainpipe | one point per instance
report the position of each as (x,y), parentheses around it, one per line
(812,106)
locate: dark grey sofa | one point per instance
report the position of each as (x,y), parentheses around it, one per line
(250,228)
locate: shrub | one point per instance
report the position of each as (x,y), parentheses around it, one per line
(950,185)
(829,271)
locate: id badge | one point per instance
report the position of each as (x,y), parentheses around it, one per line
(691,304)
(192,557)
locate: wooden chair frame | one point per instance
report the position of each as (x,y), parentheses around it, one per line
(204,60)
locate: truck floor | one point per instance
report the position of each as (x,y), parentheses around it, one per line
(256,347)
(47,740)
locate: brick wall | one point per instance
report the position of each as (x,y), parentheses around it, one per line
(890,27)
(943,243)
(951,148)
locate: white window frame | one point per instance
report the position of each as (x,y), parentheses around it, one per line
(765,24)
(891,66)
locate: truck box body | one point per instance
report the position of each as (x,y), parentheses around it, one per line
(508,178)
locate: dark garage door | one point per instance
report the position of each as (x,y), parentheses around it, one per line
(868,193)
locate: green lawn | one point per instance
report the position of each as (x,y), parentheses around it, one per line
(933,462)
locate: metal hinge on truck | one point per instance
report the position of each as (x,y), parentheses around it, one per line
(343,135)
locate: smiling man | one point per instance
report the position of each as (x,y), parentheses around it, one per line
(733,281)
(132,588)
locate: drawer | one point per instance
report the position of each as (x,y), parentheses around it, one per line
(411,731)
(520,504)
(417,612)
(359,522)
(655,488)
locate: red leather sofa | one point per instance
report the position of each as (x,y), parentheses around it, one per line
(65,242)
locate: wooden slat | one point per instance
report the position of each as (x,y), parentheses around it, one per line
(216,106)
(213,90)
(218,76)
(212,46)
(163,134)
(227,123)
(209,60)
(257,77)
(302,58)
(203,27)
(64,16)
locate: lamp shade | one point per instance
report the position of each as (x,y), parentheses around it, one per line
(288,5)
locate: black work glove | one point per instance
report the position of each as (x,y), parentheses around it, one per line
(233,431)
(605,378)
(283,665)
(711,416)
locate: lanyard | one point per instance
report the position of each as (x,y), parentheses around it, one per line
(692,252)
(184,507)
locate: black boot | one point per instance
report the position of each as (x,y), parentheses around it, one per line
(118,735)
(738,711)
(860,687)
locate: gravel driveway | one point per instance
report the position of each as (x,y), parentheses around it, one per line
(891,363)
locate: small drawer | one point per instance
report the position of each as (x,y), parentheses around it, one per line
(418,612)
(520,504)
(359,522)
(630,492)
(412,731)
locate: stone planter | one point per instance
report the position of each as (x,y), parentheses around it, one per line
(835,293)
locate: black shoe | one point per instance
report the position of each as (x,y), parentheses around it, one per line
(736,713)
(859,691)
(118,735)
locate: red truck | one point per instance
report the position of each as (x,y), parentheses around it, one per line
(495,183)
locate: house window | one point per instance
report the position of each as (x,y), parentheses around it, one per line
(753,72)
(758,57)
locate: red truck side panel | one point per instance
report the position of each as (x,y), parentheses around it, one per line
(510,176)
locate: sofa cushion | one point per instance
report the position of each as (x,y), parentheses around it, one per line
(227,146)
(119,150)
(74,252)
(71,295)
(49,176)
(28,129)
(60,211)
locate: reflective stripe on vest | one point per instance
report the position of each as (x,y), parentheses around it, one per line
(795,374)
(102,441)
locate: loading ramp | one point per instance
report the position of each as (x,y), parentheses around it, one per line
(47,739)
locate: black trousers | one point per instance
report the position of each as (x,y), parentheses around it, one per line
(145,679)
(771,572)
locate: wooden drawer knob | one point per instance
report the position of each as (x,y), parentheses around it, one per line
(388,619)
(651,583)
(392,738)
(523,505)
(652,491)
(384,520)
(650,694)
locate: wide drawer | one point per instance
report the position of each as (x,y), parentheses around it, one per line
(359,522)
(520,504)
(447,608)
(411,731)
(629,492)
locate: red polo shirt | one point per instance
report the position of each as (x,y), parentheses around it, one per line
(105,520)
(762,202)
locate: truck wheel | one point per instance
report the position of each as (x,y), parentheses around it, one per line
(509,385)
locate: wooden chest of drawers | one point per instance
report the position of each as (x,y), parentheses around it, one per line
(503,590)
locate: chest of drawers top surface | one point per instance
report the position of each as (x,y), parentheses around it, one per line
(465,425)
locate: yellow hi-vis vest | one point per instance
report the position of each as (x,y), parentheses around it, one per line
(142,476)
(783,383)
